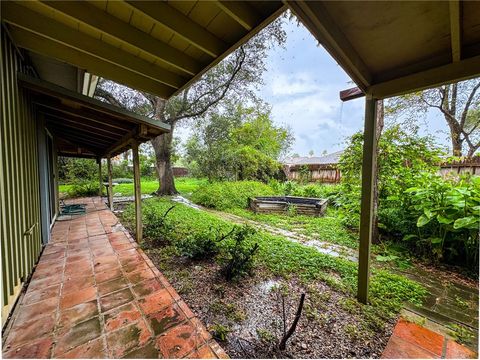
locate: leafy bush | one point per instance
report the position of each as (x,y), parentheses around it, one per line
(237,259)
(229,195)
(77,170)
(83,188)
(200,245)
(447,216)
(123,180)
(159,225)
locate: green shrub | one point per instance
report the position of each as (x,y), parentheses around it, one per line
(123,180)
(230,195)
(159,226)
(446,213)
(238,258)
(83,188)
(200,245)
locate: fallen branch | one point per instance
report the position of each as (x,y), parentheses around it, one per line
(290,331)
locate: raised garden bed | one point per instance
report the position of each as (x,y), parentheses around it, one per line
(287,204)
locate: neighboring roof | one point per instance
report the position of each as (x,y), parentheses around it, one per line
(155,46)
(332,158)
(86,127)
(394,47)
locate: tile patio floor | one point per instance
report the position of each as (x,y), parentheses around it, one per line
(94,294)
(412,341)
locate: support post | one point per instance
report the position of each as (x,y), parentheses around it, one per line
(110,187)
(100,182)
(366,212)
(138,193)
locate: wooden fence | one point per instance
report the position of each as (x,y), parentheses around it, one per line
(469,165)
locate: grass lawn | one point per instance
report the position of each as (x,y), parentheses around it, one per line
(184,185)
(326,228)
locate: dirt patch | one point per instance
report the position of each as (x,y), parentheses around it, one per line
(248,313)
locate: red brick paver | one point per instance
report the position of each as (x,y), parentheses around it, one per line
(412,341)
(95,294)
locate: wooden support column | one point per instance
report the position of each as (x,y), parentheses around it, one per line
(366,213)
(138,192)
(110,187)
(100,181)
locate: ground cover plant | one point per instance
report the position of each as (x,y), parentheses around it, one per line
(148,186)
(238,308)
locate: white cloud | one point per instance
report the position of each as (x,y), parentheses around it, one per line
(293,84)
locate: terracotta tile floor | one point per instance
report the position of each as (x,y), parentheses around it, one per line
(95,294)
(412,341)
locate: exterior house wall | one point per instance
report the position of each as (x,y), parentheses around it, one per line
(19,181)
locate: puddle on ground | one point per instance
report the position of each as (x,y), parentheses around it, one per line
(180,199)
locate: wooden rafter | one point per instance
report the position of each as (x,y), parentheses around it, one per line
(32,21)
(241,12)
(108,24)
(456,71)
(181,25)
(455,29)
(44,46)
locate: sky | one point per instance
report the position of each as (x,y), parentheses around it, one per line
(302,84)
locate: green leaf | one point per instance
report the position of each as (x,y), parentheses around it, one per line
(444,220)
(428,213)
(465,222)
(435,240)
(410,237)
(422,221)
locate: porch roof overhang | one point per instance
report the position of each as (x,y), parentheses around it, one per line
(391,48)
(86,127)
(158,47)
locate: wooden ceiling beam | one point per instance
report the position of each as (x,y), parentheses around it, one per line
(52,107)
(454,72)
(87,137)
(102,21)
(181,25)
(61,120)
(241,12)
(316,18)
(455,29)
(47,47)
(32,21)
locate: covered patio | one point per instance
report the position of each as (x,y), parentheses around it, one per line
(162,48)
(95,294)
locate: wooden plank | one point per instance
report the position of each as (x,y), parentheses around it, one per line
(100,179)
(138,192)
(352,93)
(181,25)
(241,12)
(126,33)
(366,205)
(62,93)
(50,48)
(110,187)
(455,29)
(41,25)
(457,71)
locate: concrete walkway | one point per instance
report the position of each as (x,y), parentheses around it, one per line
(95,294)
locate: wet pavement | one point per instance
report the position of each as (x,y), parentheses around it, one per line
(95,294)
(414,341)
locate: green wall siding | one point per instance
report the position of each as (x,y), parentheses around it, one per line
(19,183)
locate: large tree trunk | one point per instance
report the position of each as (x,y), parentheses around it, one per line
(378,133)
(162,145)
